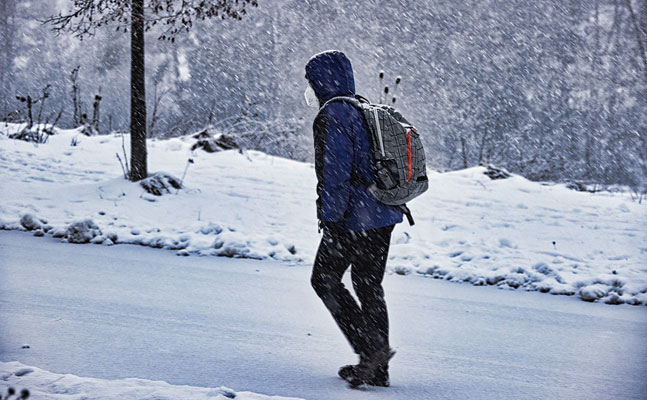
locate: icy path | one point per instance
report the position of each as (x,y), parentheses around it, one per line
(129,311)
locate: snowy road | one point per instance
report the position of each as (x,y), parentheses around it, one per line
(127,311)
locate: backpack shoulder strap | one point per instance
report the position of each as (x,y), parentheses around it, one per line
(359,102)
(356,102)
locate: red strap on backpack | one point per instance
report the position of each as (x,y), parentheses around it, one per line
(409,155)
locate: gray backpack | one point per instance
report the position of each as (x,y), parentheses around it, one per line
(399,158)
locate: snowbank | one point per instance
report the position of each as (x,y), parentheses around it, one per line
(511,233)
(46,385)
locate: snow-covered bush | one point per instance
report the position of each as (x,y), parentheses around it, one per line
(160,183)
(496,173)
(82,231)
(212,143)
(583,187)
(31,223)
(609,291)
(33,135)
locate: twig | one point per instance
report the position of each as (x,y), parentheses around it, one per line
(58,116)
(188,162)
(123,148)
(122,166)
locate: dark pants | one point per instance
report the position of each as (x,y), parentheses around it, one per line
(365,325)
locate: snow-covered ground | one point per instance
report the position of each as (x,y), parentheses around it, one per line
(256,325)
(511,233)
(44,385)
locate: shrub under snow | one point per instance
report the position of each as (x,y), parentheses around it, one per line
(30,222)
(82,231)
(160,183)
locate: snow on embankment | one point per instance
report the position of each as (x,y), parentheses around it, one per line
(511,233)
(47,385)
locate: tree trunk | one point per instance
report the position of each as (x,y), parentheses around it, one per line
(7,35)
(595,119)
(482,146)
(464,154)
(75,117)
(640,28)
(138,168)
(95,113)
(31,118)
(75,96)
(157,98)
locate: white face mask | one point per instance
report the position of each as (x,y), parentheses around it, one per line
(311,97)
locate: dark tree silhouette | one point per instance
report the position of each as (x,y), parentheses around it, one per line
(176,16)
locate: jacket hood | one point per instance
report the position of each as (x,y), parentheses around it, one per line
(330,75)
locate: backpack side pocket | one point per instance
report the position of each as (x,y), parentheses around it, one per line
(386,174)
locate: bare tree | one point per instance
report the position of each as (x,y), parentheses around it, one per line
(176,16)
(42,99)
(96,111)
(74,76)
(157,98)
(7,35)
(640,30)
(29,104)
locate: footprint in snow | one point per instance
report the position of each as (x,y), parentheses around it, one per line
(40,178)
(23,371)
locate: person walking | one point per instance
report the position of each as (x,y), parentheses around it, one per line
(356,227)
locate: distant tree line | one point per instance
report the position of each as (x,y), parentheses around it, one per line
(551,89)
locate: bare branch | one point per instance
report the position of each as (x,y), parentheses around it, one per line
(176,15)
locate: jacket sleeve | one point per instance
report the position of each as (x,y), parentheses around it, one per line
(333,162)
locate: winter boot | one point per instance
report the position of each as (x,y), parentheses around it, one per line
(348,371)
(372,369)
(381,377)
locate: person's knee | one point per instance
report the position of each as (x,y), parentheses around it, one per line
(328,289)
(369,292)
(321,284)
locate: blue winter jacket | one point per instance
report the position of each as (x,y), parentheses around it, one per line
(343,150)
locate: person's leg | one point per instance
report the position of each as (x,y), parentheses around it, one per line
(331,261)
(367,271)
